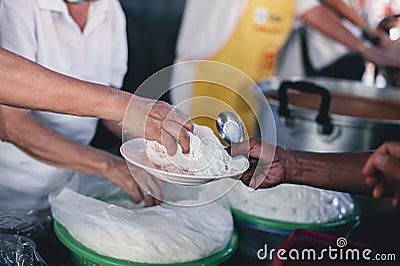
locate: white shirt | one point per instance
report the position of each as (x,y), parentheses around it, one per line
(44,32)
(324,51)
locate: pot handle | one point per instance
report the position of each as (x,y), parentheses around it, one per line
(322,118)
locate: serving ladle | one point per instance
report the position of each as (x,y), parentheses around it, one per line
(230,127)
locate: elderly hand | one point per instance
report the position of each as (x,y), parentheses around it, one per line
(159,121)
(382,170)
(268,166)
(118,173)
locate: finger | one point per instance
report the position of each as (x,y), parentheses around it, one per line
(258,180)
(181,118)
(391,148)
(379,190)
(241,148)
(246,176)
(161,190)
(162,110)
(378,159)
(167,133)
(388,165)
(136,195)
(131,187)
(252,183)
(169,143)
(148,199)
(371,181)
(155,187)
(178,134)
(396,197)
(374,162)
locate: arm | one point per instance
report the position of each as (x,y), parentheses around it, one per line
(376,35)
(335,171)
(54,149)
(342,9)
(324,20)
(26,84)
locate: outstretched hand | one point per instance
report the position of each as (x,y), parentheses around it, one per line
(382,170)
(267,163)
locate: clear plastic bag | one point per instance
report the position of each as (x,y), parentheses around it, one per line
(27,223)
(292,203)
(159,234)
(16,250)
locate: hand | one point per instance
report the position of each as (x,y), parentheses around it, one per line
(382,170)
(159,121)
(268,166)
(381,57)
(119,174)
(378,37)
(387,23)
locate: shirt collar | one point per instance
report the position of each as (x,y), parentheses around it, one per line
(52,5)
(60,6)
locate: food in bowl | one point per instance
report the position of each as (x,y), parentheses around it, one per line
(207,156)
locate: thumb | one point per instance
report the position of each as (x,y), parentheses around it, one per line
(241,148)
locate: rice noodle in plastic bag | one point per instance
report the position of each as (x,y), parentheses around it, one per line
(159,234)
(292,203)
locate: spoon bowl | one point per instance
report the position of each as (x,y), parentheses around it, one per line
(230,127)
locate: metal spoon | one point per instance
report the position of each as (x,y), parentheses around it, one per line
(230,127)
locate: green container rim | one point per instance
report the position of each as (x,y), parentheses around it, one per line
(79,249)
(282,225)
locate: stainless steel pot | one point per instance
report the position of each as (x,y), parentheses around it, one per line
(331,115)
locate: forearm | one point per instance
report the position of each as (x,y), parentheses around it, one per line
(334,171)
(52,148)
(329,24)
(342,9)
(28,85)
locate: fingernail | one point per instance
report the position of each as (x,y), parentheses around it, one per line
(382,159)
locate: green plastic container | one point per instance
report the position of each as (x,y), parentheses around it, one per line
(254,232)
(83,256)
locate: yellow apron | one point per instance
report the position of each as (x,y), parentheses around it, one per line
(253,49)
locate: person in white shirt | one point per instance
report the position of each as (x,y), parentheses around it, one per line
(333,30)
(84,40)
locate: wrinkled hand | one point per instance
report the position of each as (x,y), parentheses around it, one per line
(382,170)
(159,121)
(119,174)
(267,164)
